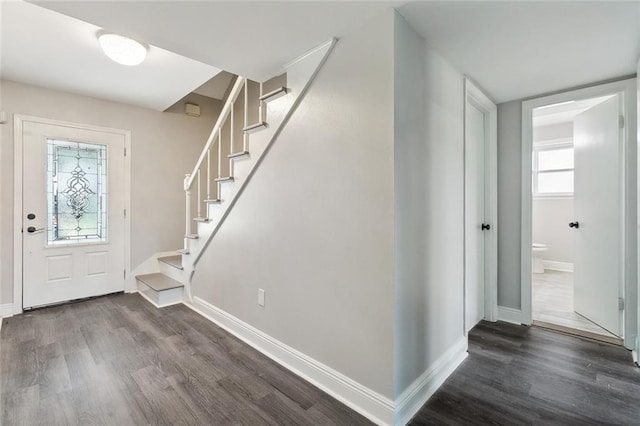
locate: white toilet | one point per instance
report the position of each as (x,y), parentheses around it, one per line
(537,251)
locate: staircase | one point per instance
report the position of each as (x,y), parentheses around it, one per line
(251,119)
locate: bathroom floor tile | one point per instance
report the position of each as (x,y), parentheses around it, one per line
(553,302)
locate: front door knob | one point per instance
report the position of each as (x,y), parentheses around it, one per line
(485,227)
(33,230)
(574,225)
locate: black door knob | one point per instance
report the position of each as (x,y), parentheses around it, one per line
(485,226)
(31,216)
(574,225)
(31,229)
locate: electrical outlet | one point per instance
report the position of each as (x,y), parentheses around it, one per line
(260,297)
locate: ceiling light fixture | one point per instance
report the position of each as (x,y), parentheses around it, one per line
(122,50)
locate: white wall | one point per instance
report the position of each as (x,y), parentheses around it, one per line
(164,146)
(550,226)
(553,131)
(428,186)
(314,227)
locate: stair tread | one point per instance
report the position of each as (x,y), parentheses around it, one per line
(175,261)
(224,179)
(280,91)
(238,154)
(255,127)
(159,281)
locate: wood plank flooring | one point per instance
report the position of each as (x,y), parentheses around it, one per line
(517,375)
(117,360)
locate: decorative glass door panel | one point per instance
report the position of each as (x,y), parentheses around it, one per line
(76,192)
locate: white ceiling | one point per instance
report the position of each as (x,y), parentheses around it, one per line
(564,112)
(512,49)
(519,49)
(250,38)
(48,49)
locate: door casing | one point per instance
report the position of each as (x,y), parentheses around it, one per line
(18,124)
(476,98)
(628,232)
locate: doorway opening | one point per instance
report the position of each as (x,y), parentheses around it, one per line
(562,132)
(579,213)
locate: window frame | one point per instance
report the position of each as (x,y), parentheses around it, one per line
(552,145)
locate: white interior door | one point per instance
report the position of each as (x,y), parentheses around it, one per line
(73,213)
(598,214)
(475,196)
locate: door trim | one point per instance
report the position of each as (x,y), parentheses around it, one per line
(474,96)
(629,232)
(18,124)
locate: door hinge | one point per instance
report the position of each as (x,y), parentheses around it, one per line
(621,121)
(125,212)
(125,151)
(621,303)
(125,274)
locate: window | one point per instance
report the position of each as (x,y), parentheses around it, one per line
(76,192)
(553,170)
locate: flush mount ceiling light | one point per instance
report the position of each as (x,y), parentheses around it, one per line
(122,50)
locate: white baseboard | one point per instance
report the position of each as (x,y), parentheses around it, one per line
(367,402)
(416,395)
(6,310)
(514,316)
(558,266)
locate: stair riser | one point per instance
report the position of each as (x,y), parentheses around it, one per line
(241,169)
(171,272)
(161,298)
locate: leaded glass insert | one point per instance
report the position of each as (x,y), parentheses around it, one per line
(77,192)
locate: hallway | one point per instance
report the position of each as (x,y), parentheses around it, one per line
(527,375)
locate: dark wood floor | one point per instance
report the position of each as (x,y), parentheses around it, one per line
(117,360)
(526,375)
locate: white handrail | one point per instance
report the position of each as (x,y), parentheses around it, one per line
(233,95)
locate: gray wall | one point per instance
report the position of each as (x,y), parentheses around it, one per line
(509,199)
(428,187)
(164,146)
(314,227)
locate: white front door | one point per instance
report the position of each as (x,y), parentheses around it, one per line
(73,213)
(475,215)
(598,216)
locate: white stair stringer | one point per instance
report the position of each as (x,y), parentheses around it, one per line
(300,74)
